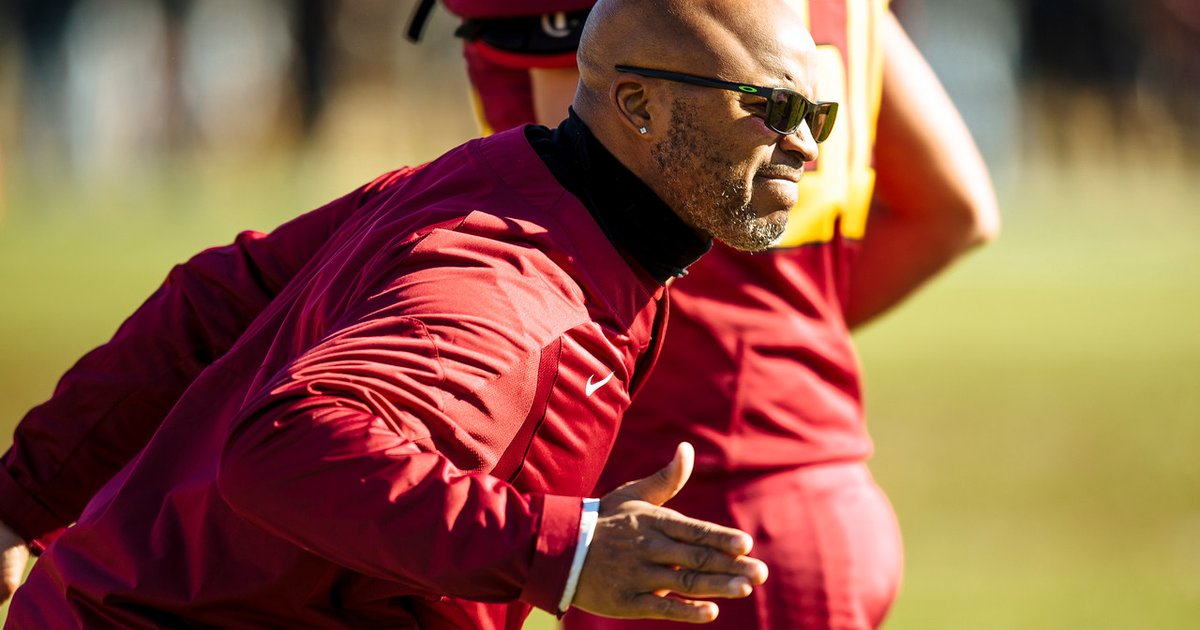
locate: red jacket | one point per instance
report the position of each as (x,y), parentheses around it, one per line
(329,468)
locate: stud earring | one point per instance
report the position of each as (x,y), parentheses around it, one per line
(642,130)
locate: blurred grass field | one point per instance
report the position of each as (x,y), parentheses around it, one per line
(1035,411)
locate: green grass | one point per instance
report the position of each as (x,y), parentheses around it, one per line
(1035,415)
(1035,411)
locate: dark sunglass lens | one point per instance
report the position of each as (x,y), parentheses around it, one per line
(786,111)
(817,124)
(820,121)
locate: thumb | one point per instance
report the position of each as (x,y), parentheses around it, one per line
(14,556)
(664,484)
(13,562)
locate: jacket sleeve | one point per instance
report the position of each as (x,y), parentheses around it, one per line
(371,449)
(109,404)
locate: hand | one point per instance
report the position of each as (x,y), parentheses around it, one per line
(14,555)
(642,553)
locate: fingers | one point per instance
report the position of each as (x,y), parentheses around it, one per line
(650,606)
(689,530)
(646,560)
(691,583)
(681,468)
(664,484)
(706,560)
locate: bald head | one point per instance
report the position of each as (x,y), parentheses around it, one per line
(708,153)
(739,40)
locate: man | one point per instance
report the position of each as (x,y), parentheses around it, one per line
(758,368)
(298,430)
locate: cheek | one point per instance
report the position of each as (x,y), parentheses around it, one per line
(761,128)
(759,140)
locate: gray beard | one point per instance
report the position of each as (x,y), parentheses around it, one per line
(719,204)
(724,212)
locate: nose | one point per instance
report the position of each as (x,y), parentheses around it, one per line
(800,143)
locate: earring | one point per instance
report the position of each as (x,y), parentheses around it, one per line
(642,130)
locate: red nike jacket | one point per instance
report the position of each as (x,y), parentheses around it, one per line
(330,465)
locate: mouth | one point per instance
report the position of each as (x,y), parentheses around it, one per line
(780,187)
(792,175)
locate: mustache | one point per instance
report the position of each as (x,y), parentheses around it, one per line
(779,171)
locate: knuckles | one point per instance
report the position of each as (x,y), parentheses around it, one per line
(688,581)
(703,558)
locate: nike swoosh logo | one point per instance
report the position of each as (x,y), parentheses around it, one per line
(591,387)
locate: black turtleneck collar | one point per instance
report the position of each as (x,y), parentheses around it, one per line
(631,215)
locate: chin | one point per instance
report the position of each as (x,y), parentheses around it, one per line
(778,215)
(774,222)
(774,195)
(759,234)
(781,204)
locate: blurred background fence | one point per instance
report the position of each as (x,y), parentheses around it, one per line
(94,88)
(1036,411)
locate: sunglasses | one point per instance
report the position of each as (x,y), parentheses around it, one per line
(786,109)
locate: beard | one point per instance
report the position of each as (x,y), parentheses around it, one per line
(717,200)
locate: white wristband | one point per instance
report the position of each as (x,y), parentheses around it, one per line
(587,528)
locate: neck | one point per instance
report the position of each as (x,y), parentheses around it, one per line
(630,212)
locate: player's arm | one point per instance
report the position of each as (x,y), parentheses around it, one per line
(366,450)
(521,58)
(109,404)
(935,198)
(344,486)
(553,90)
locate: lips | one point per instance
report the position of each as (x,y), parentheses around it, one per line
(786,174)
(779,188)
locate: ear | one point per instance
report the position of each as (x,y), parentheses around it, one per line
(634,103)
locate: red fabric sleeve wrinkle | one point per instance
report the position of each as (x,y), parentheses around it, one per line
(106,407)
(345,486)
(350,452)
(351,456)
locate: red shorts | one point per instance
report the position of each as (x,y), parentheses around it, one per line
(828,535)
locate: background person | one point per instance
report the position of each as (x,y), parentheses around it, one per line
(758,368)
